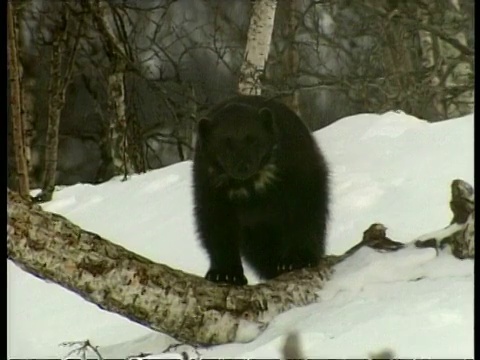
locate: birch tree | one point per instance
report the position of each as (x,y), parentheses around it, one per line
(27,81)
(258,45)
(375,56)
(62,43)
(446,53)
(457,70)
(15,105)
(117,134)
(28,108)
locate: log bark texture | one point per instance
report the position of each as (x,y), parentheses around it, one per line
(185,306)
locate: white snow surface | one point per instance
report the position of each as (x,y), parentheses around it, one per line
(390,168)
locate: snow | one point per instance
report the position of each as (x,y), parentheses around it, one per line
(390,168)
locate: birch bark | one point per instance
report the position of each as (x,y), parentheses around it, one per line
(258,45)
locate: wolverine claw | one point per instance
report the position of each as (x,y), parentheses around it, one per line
(231,278)
(282,267)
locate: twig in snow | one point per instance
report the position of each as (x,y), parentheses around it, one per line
(81,348)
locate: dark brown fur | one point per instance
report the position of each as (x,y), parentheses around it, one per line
(260,190)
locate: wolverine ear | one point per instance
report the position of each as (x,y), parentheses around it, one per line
(204,126)
(267,118)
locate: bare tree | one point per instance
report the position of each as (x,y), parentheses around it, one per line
(118,57)
(450,58)
(15,105)
(63,42)
(258,46)
(27,81)
(385,60)
(286,25)
(161,64)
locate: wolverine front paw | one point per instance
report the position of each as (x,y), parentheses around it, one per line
(232,278)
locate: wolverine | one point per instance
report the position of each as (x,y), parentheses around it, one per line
(260,189)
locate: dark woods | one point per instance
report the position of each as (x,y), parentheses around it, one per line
(99,88)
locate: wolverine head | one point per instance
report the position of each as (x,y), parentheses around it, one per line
(239,139)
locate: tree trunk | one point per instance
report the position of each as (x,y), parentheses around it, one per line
(429,61)
(118,120)
(57,90)
(399,67)
(185,306)
(28,104)
(445,51)
(27,88)
(457,69)
(290,56)
(15,105)
(258,45)
(189,122)
(118,138)
(55,105)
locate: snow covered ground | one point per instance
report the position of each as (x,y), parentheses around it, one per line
(390,168)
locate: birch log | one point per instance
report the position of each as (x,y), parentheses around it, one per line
(258,45)
(460,234)
(185,306)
